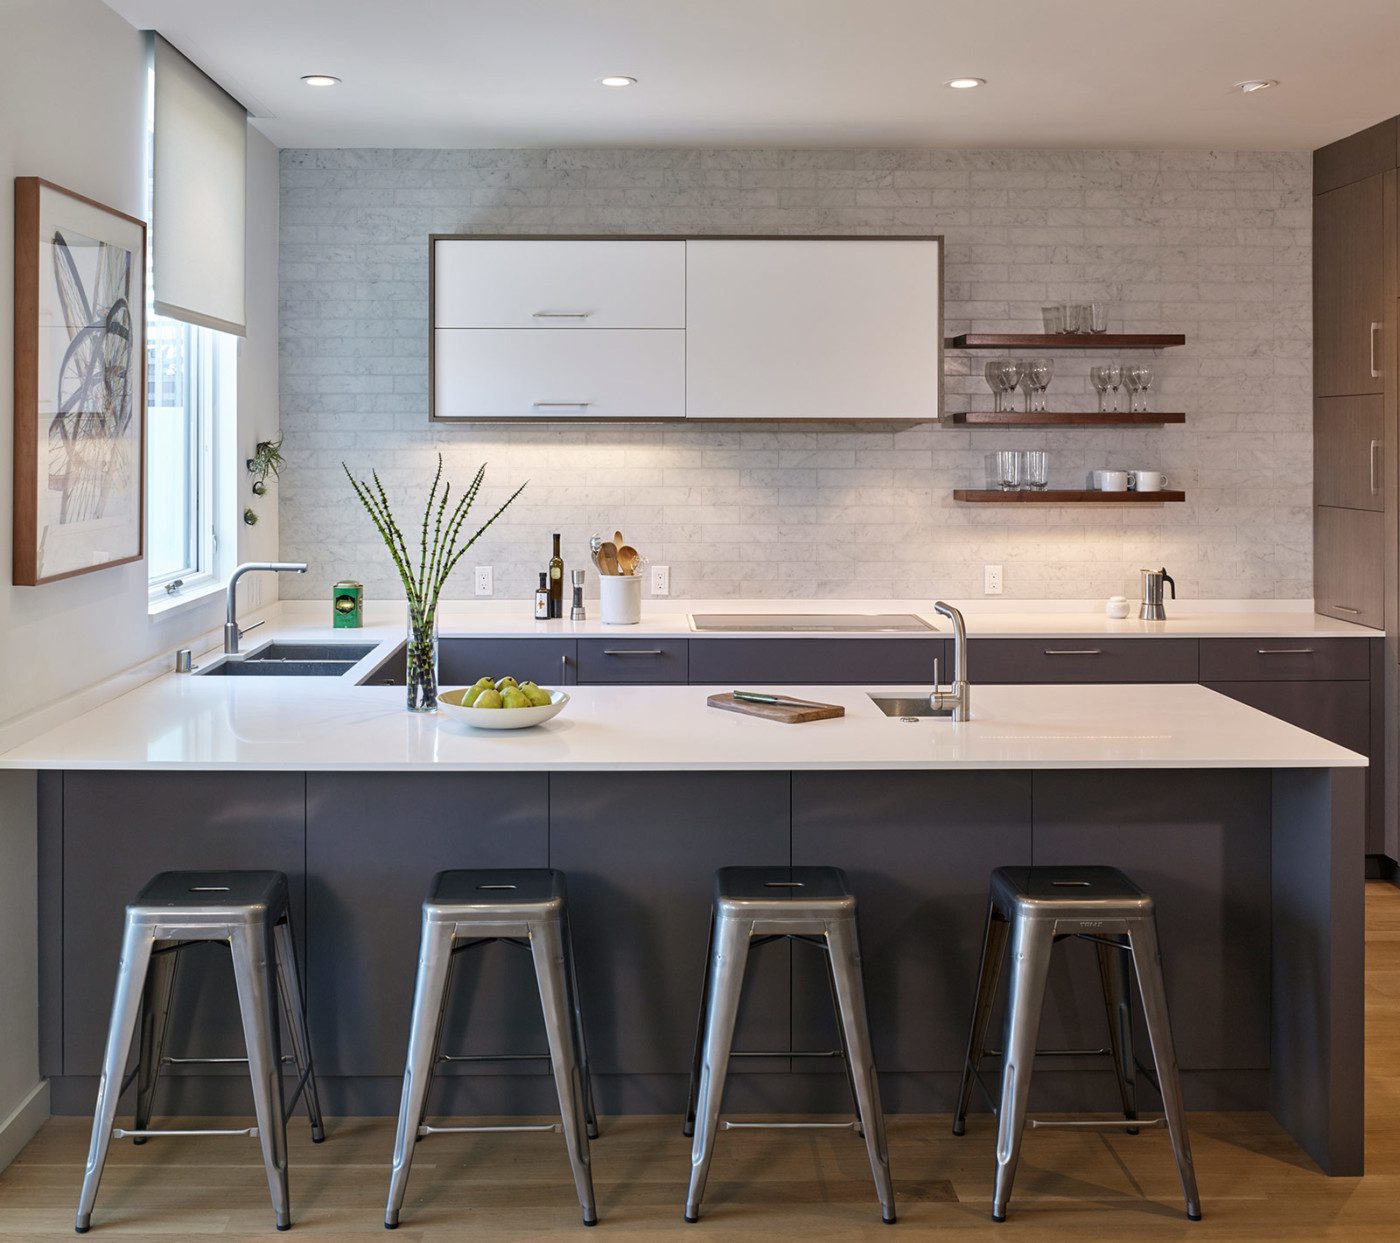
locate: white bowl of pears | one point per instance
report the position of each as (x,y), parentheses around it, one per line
(502,703)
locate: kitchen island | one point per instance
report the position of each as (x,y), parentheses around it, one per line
(1229,817)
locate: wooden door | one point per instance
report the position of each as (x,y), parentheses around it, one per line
(1348,565)
(1349,288)
(1348,451)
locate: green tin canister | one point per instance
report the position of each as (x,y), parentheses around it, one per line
(347,605)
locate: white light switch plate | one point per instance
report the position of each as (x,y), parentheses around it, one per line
(482,579)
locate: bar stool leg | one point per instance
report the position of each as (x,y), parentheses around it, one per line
(697,1058)
(988,974)
(294,1005)
(254,972)
(126,1005)
(844,943)
(1031,943)
(155,1014)
(590,1114)
(434,959)
(1147,961)
(547,947)
(431,1072)
(724,984)
(1115,973)
(841,1032)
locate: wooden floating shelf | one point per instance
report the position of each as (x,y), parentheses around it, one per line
(988,496)
(1065,341)
(1067,418)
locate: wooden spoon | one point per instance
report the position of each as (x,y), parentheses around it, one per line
(607,557)
(617,539)
(627,559)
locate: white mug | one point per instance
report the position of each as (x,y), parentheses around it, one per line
(1146,480)
(1111,480)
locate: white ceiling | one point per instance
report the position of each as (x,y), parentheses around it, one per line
(1079,73)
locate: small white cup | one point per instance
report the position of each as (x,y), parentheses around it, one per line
(1117,607)
(621,599)
(1111,480)
(1146,480)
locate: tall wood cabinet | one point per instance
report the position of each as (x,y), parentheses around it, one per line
(1356,552)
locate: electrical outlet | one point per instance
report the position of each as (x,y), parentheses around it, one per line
(661,580)
(482,579)
(991,580)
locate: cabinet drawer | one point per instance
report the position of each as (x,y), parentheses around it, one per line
(482,373)
(550,662)
(645,661)
(830,662)
(1348,451)
(1082,660)
(1284,660)
(1348,565)
(539,283)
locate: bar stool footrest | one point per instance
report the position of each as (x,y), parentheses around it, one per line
(503,1129)
(150,1133)
(853,1125)
(1094,1124)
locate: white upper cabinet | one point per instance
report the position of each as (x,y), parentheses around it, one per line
(813,329)
(565,284)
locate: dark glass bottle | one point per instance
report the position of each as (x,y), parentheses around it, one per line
(556,581)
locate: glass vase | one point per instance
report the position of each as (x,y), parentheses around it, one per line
(422,678)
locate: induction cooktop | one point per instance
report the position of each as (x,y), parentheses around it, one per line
(811,623)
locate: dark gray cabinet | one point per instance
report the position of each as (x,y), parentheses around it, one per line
(1349,288)
(548,661)
(119,830)
(373,844)
(1349,564)
(633,661)
(1082,660)
(1348,451)
(832,662)
(1285,660)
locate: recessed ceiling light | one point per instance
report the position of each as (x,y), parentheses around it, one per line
(965,84)
(320,79)
(617,79)
(1256,84)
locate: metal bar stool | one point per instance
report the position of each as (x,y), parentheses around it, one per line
(464,910)
(1032,908)
(249,912)
(754,906)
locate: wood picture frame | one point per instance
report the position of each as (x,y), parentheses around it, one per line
(79,385)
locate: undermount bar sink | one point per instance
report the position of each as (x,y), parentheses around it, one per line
(279,650)
(292,660)
(909,706)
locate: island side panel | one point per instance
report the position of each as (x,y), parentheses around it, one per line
(1318,965)
(640,850)
(374,842)
(918,850)
(119,830)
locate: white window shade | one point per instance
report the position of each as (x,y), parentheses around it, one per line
(198,204)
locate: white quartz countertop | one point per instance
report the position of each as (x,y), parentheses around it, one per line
(184,722)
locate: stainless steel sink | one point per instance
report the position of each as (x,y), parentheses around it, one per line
(279,650)
(908,706)
(292,660)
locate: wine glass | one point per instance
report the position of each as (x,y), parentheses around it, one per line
(1039,372)
(1130,380)
(992,373)
(1099,379)
(1010,371)
(1140,376)
(1113,376)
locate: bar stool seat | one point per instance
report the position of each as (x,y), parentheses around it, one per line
(250,913)
(754,905)
(1031,909)
(466,909)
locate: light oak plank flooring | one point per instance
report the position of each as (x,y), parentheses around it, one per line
(770,1186)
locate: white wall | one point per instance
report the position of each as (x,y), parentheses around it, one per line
(72,110)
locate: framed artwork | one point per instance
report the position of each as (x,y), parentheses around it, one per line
(80,384)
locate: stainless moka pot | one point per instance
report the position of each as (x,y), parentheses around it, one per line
(1152,582)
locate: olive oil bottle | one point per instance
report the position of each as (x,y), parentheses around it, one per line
(556,581)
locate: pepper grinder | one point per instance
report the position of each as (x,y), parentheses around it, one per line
(577,613)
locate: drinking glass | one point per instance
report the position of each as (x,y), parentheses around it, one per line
(992,373)
(1098,377)
(1039,372)
(1098,317)
(1130,380)
(1053,317)
(1141,375)
(1077,318)
(1035,469)
(1113,375)
(1004,470)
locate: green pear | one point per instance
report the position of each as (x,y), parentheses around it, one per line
(489,698)
(484,682)
(473,693)
(502,683)
(538,697)
(514,697)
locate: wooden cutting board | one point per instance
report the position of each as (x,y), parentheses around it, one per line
(810,711)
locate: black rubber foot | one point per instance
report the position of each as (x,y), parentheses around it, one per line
(1193,1216)
(288,1226)
(592,1131)
(889,1221)
(586,1222)
(1132,1130)
(959,1126)
(138,1141)
(690,1219)
(996,1218)
(391,1225)
(81,1229)
(688,1130)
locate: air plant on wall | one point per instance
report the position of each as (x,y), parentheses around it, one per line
(267,460)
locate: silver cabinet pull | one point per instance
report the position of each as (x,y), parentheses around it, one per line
(1375,475)
(1375,371)
(632,651)
(539,405)
(561,314)
(1343,608)
(1073,651)
(1287,651)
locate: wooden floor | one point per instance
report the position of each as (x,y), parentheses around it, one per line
(772,1186)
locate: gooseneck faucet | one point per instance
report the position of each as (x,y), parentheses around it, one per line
(231,631)
(957,696)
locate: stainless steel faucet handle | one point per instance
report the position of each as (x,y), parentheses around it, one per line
(244,629)
(937,681)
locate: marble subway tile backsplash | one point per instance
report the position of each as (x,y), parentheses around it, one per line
(1213,244)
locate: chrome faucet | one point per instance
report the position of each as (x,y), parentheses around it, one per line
(231,631)
(957,696)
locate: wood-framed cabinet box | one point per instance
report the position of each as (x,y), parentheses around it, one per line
(661,328)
